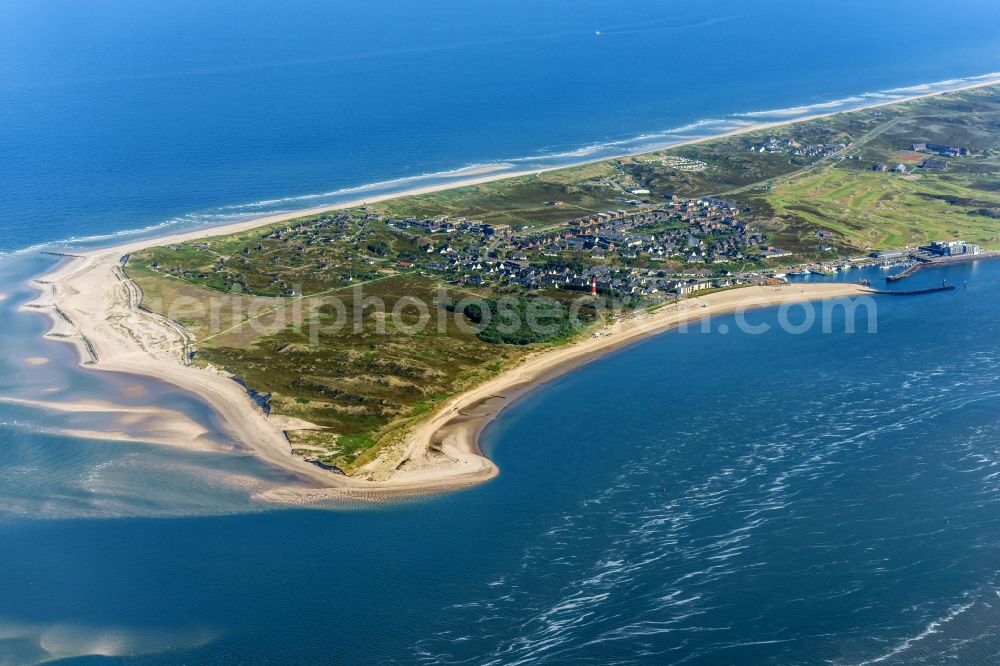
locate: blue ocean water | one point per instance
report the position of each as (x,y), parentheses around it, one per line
(701,497)
(116,115)
(697,498)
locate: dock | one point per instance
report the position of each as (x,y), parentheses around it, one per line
(925,263)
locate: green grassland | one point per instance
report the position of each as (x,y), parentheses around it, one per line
(883,210)
(359,383)
(523,201)
(336,360)
(869,210)
(253,301)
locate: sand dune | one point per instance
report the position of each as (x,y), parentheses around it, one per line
(92,306)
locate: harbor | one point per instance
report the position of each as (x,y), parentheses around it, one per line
(940,254)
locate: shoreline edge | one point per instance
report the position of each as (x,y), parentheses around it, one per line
(94,306)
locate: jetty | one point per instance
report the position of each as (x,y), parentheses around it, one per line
(913,292)
(923,262)
(62,254)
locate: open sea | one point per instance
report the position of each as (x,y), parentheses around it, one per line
(718,497)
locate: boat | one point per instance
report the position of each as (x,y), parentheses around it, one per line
(803,273)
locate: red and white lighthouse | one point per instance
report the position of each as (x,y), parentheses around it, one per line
(593,286)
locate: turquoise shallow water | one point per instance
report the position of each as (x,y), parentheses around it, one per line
(717,497)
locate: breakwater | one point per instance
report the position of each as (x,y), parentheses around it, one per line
(913,292)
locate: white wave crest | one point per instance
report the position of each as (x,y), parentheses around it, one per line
(645,142)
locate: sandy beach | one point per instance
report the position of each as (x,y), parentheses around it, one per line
(455,429)
(93,306)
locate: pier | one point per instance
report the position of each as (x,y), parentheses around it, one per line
(914,292)
(924,263)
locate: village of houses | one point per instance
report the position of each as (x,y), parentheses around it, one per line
(790,146)
(645,251)
(930,163)
(695,240)
(700,234)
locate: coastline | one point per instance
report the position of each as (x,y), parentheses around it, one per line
(98,313)
(460,423)
(92,305)
(480,174)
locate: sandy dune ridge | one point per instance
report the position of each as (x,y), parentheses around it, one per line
(93,306)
